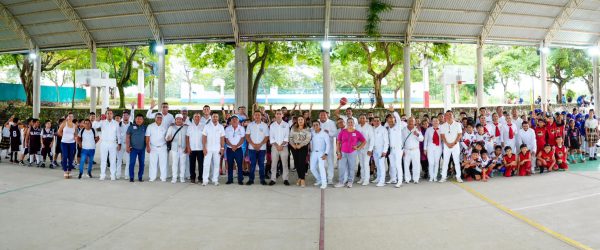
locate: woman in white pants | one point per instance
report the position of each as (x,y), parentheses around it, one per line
(318,154)
(213,141)
(433,148)
(381,142)
(177,134)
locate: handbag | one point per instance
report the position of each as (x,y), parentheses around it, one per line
(169,142)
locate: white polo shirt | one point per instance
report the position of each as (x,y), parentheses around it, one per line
(194,133)
(279,133)
(591,123)
(257,133)
(157,135)
(110,131)
(234,135)
(450,131)
(213,135)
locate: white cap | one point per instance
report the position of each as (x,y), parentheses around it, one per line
(178,116)
(183,109)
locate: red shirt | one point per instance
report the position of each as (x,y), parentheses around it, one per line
(540,136)
(510,159)
(561,154)
(526,156)
(547,156)
(553,133)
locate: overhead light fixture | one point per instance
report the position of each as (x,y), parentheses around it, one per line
(32,55)
(326,44)
(545,50)
(594,51)
(159,48)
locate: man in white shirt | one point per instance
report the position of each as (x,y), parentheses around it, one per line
(194,147)
(156,146)
(213,140)
(234,138)
(433,148)
(110,143)
(527,136)
(501,116)
(395,126)
(167,118)
(451,132)
(381,144)
(348,114)
(279,133)
(184,112)
(318,154)
(364,155)
(176,134)
(412,136)
(205,114)
(122,155)
(257,135)
(509,134)
(516,119)
(328,126)
(495,129)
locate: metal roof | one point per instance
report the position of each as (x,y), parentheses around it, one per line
(58,24)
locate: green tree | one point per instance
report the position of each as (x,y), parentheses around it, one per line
(564,65)
(352,75)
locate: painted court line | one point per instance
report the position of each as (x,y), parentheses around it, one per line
(26,187)
(521,217)
(557,202)
(322,222)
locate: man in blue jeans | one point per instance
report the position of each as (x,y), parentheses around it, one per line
(257,135)
(234,138)
(136,146)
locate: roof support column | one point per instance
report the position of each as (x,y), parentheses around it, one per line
(543,76)
(406,64)
(241,76)
(480,75)
(37,72)
(161,75)
(93,90)
(426,62)
(326,78)
(596,83)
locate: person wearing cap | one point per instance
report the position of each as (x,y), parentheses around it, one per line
(167,118)
(110,143)
(176,134)
(195,147)
(156,146)
(123,154)
(184,112)
(591,134)
(213,143)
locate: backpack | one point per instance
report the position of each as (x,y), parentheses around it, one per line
(93,131)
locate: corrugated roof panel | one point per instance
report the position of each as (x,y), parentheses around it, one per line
(275,28)
(5,33)
(123,34)
(478,5)
(392,28)
(515,33)
(45,28)
(532,9)
(441,29)
(348,13)
(109,10)
(279,14)
(269,3)
(342,28)
(586,15)
(65,38)
(454,17)
(172,5)
(32,7)
(547,2)
(580,25)
(590,4)
(41,17)
(104,23)
(575,36)
(186,17)
(12,44)
(81,3)
(394,14)
(527,21)
(198,30)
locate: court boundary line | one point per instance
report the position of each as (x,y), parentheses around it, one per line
(523,218)
(322,222)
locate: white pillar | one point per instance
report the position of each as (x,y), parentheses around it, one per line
(447,96)
(595,83)
(426,82)
(37,72)
(543,77)
(241,76)
(105,100)
(406,63)
(93,90)
(161,76)
(480,76)
(326,80)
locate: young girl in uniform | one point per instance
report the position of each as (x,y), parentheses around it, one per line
(561,155)
(574,143)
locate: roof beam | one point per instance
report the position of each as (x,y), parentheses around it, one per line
(327,18)
(561,19)
(16,27)
(234,23)
(154,28)
(491,20)
(412,21)
(69,12)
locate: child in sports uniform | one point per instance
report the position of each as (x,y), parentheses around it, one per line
(510,161)
(472,166)
(561,155)
(485,165)
(34,143)
(545,159)
(15,140)
(497,161)
(47,139)
(573,142)
(524,161)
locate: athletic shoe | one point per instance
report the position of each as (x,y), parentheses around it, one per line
(442,181)
(459,180)
(216,183)
(271,183)
(366,183)
(339,185)
(264,183)
(79,177)
(399,184)
(380,185)
(228,182)
(317,184)
(203,184)
(249,183)
(349,185)
(174,181)
(323,186)
(286,182)
(416,182)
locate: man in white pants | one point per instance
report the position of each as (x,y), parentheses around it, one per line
(411,135)
(509,134)
(177,135)
(156,146)
(213,143)
(122,155)
(364,155)
(328,126)
(381,143)
(318,154)
(110,143)
(395,127)
(279,133)
(451,134)
(433,148)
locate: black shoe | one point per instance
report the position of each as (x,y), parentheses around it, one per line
(287,183)
(228,182)
(42,165)
(140,180)
(264,183)
(271,183)
(90,175)
(79,177)
(240,183)
(193,181)
(130,179)
(591,159)
(94,162)
(249,183)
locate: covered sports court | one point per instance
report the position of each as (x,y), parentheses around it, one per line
(40,210)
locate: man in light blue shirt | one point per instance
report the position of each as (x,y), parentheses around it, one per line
(319,152)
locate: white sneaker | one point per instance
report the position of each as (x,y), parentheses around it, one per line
(323,186)
(435,180)
(399,184)
(203,183)
(329,182)
(339,185)
(112,178)
(151,180)
(359,181)
(415,182)
(317,183)
(391,182)
(366,183)
(430,180)
(442,180)
(380,185)
(216,183)
(459,180)
(375,181)
(102,178)
(182,180)
(174,181)
(349,185)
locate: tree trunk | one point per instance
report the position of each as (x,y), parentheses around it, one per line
(560,91)
(74,91)
(121,96)
(190,92)
(377,87)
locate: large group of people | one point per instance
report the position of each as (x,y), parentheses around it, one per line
(387,149)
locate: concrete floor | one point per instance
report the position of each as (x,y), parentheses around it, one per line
(41,210)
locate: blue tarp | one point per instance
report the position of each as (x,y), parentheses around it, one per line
(13,92)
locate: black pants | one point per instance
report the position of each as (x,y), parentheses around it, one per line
(425,168)
(300,160)
(471,172)
(196,156)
